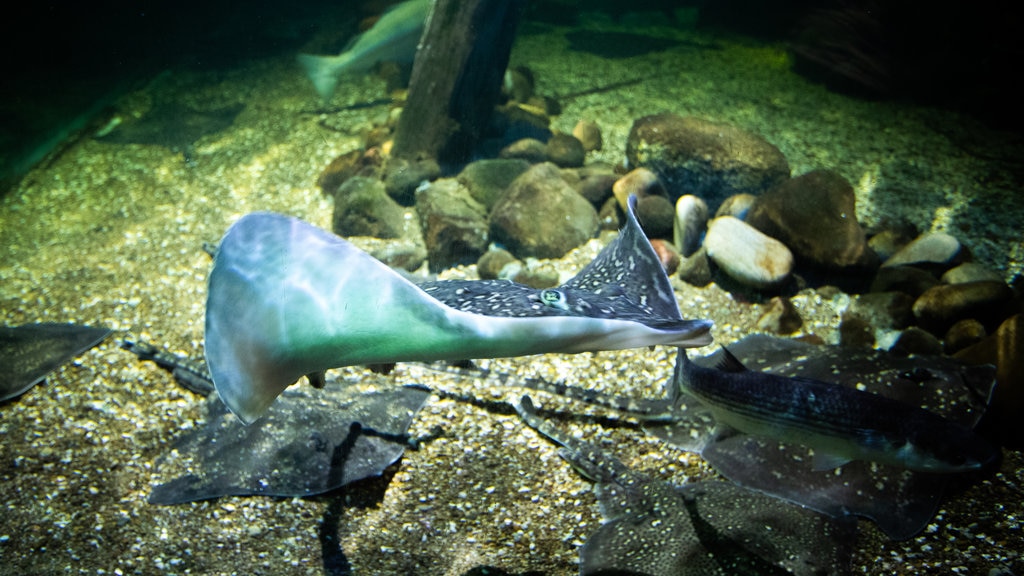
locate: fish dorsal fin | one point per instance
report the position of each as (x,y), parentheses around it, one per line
(729,363)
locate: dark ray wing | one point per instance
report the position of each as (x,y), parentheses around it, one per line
(899,501)
(710,528)
(309,443)
(173,126)
(29,352)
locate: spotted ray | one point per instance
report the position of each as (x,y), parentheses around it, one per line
(287,299)
(707,528)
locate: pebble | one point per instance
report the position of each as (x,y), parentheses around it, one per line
(891,240)
(589,134)
(454,224)
(565,150)
(779,316)
(962,334)
(493,262)
(641,183)
(940,306)
(488,179)
(656,216)
(667,254)
(856,332)
(402,178)
(934,249)
(690,222)
(1004,349)
(884,310)
(363,208)
(736,205)
(914,340)
(970,272)
(530,149)
(747,255)
(906,279)
(696,268)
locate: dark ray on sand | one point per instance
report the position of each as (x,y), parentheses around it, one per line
(31,351)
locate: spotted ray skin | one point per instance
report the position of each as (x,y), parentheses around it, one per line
(286,299)
(708,528)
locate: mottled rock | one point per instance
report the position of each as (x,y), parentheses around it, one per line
(453,223)
(907,279)
(363,208)
(488,179)
(344,167)
(856,332)
(1004,349)
(656,216)
(667,254)
(746,254)
(936,250)
(529,149)
(565,150)
(640,183)
(779,316)
(402,178)
(736,205)
(941,306)
(691,220)
(883,310)
(589,134)
(491,265)
(914,340)
(970,272)
(814,215)
(539,215)
(696,268)
(707,159)
(964,333)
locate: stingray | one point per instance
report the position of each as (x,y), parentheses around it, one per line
(655,528)
(287,299)
(31,351)
(307,445)
(173,126)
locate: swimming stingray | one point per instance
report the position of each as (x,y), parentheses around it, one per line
(173,126)
(308,444)
(654,528)
(287,299)
(31,351)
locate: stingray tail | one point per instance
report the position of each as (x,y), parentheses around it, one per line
(324,72)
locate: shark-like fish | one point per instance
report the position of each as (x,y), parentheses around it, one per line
(287,299)
(394,37)
(839,423)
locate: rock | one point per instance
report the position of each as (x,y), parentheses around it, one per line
(856,332)
(608,217)
(344,167)
(565,150)
(530,149)
(914,340)
(407,253)
(814,215)
(906,279)
(536,276)
(691,219)
(696,268)
(640,183)
(488,179)
(667,254)
(1004,349)
(707,159)
(890,241)
(656,216)
(883,310)
(402,178)
(964,333)
(970,272)
(596,187)
(589,134)
(746,254)
(363,208)
(453,223)
(736,205)
(518,84)
(494,262)
(539,215)
(940,306)
(779,316)
(934,250)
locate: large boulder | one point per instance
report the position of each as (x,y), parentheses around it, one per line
(454,224)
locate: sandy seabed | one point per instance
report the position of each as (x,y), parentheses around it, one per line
(111,235)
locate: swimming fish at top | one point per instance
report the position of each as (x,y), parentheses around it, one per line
(286,299)
(394,37)
(841,424)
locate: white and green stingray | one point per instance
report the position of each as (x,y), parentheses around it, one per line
(287,299)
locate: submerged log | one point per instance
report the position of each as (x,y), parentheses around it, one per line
(456,78)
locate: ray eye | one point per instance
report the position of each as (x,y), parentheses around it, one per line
(553,298)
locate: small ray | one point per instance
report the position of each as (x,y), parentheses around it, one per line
(311,441)
(708,528)
(173,126)
(31,351)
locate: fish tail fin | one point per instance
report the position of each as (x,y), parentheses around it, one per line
(324,72)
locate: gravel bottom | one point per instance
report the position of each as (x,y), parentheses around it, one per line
(111,235)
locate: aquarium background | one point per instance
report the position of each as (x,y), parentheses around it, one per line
(131,134)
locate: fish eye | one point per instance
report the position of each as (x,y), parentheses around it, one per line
(553,298)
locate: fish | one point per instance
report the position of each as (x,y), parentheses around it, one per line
(286,299)
(174,126)
(394,37)
(28,353)
(655,528)
(898,500)
(839,423)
